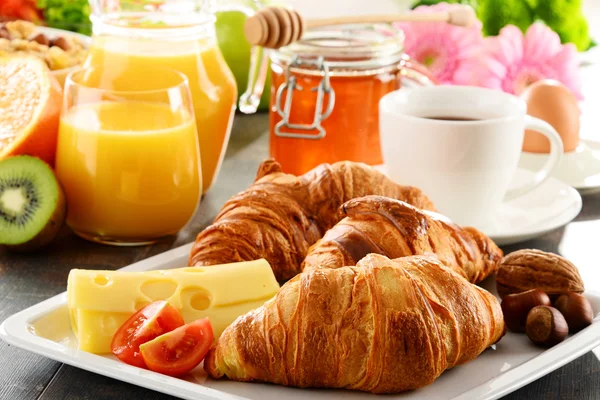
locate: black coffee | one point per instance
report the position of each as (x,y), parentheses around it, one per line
(454,118)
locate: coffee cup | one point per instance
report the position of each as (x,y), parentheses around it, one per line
(461,146)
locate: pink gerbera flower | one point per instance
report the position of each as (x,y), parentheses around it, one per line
(512,61)
(449,52)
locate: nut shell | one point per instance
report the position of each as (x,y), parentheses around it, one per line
(576,309)
(515,307)
(534,269)
(546,326)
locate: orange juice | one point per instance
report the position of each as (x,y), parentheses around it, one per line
(130,169)
(122,53)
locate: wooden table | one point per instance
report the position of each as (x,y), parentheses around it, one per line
(29,279)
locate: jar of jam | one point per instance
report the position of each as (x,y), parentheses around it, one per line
(325,93)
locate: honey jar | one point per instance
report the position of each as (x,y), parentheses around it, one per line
(325,93)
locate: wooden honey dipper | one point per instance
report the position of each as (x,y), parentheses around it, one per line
(274,27)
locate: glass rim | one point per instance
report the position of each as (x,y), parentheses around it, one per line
(71,82)
(203,27)
(348,47)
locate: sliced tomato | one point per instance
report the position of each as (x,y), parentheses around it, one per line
(148,323)
(179,351)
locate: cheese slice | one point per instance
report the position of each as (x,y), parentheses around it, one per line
(101,301)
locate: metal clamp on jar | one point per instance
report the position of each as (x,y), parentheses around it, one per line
(284,110)
(325,93)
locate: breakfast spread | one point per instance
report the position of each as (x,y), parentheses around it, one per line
(105,306)
(101,301)
(341,328)
(60,52)
(325,272)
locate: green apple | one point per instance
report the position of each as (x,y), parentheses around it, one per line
(236,49)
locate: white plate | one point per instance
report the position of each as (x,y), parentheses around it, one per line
(53,32)
(589,57)
(511,364)
(579,168)
(549,206)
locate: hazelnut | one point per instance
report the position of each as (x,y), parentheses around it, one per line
(515,307)
(41,39)
(576,309)
(60,42)
(546,326)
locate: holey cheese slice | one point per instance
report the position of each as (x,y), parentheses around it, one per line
(101,301)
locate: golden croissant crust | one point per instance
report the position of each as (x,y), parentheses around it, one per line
(375,224)
(383,326)
(281,215)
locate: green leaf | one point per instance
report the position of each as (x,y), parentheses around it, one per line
(67,14)
(556,12)
(472,3)
(496,14)
(575,30)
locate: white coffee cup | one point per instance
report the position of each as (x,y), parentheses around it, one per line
(464,166)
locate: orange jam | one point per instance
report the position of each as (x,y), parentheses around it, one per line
(352,129)
(352,68)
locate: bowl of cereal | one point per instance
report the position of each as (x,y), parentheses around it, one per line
(63,51)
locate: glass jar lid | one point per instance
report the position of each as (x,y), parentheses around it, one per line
(346,47)
(165,19)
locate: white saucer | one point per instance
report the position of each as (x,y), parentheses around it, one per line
(551,205)
(579,169)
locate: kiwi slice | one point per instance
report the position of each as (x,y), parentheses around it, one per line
(32,203)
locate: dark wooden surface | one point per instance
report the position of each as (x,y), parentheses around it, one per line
(28,279)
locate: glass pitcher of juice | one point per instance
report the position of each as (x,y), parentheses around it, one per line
(325,93)
(131,35)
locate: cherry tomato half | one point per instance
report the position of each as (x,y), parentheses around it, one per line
(179,351)
(148,323)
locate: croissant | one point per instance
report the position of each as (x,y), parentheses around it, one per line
(381,225)
(383,326)
(281,215)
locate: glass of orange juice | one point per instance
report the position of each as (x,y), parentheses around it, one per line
(128,159)
(129,35)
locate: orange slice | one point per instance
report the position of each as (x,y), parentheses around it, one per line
(30,103)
